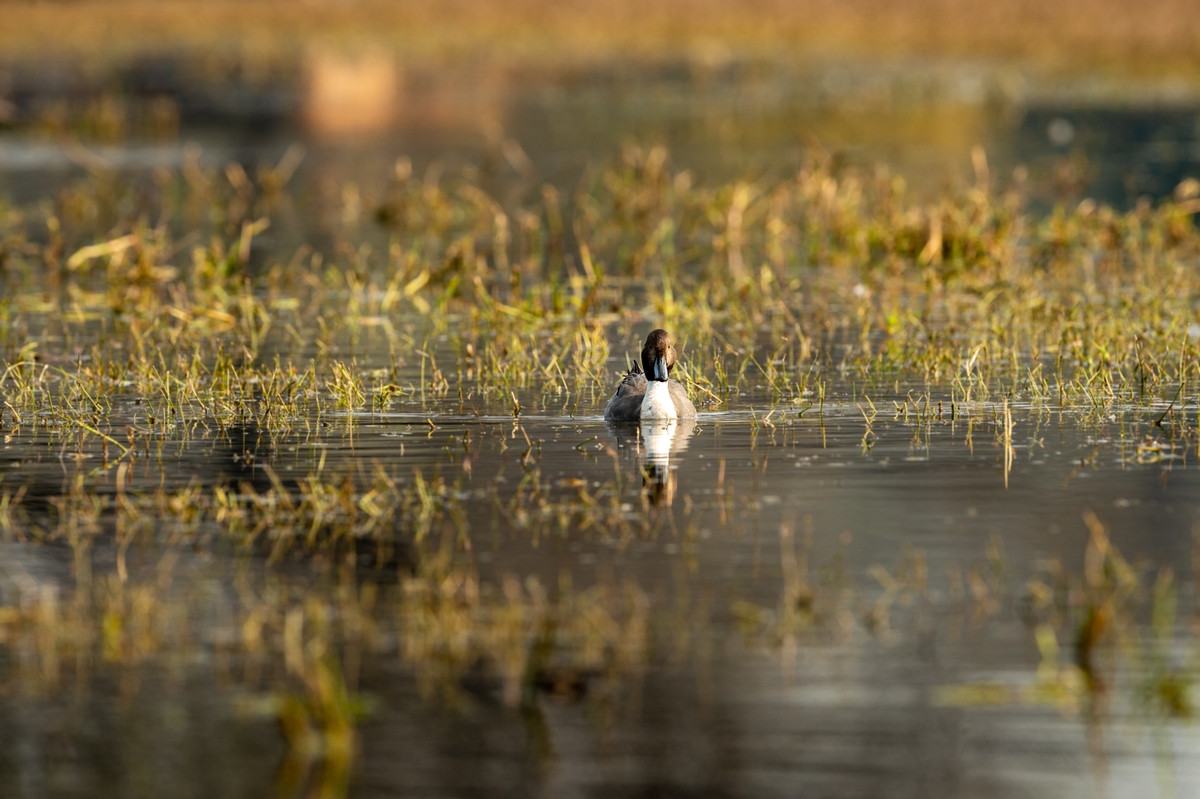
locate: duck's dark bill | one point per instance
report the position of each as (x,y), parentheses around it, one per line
(659,372)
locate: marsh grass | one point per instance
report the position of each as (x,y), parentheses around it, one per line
(770,288)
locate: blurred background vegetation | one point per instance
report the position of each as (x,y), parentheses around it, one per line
(1098,98)
(1154,38)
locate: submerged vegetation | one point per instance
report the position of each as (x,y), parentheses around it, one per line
(185,389)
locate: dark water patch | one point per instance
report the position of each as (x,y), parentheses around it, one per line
(1121,154)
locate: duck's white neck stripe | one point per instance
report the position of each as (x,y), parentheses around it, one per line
(658,403)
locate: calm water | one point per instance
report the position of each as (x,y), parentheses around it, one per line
(855,707)
(846,710)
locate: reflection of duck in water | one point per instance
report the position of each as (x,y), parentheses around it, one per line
(649,392)
(657,437)
(649,447)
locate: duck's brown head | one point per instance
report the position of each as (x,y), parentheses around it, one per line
(658,356)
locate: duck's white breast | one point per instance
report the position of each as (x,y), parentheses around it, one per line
(657,403)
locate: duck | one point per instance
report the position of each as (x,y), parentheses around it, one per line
(647,392)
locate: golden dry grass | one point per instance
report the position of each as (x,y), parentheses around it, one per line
(1157,36)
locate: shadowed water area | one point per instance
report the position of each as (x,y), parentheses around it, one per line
(305,486)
